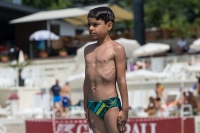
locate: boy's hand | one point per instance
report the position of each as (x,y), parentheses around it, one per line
(87,117)
(121,119)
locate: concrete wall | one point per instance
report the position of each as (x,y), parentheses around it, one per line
(26,97)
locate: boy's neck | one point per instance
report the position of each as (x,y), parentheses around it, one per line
(101,41)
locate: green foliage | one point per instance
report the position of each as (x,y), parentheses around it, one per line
(181,15)
(47,4)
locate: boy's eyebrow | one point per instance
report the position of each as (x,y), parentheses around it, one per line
(96,22)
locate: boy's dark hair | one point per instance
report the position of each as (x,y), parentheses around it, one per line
(103,13)
(157,84)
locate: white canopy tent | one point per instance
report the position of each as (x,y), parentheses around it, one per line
(76,16)
(53,14)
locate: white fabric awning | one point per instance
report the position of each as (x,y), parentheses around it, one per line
(55,14)
(76,16)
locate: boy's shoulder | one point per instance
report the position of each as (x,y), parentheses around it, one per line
(86,49)
(117,46)
(89,46)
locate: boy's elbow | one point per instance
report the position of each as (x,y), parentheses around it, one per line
(121,81)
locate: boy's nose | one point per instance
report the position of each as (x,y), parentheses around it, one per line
(91,28)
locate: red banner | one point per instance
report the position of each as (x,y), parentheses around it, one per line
(134,125)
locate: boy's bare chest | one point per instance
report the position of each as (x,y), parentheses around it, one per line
(102,56)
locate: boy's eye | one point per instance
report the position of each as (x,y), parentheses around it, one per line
(95,25)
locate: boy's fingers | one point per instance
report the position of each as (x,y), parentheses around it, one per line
(119,119)
(123,125)
(120,125)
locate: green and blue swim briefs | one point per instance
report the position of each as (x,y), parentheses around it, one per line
(101,107)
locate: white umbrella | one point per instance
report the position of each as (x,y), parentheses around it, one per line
(151,49)
(195,45)
(129,45)
(143,74)
(43,35)
(21,57)
(76,81)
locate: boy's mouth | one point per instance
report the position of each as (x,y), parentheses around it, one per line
(92,33)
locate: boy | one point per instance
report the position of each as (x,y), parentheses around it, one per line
(105,65)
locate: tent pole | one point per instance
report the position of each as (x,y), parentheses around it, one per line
(49,29)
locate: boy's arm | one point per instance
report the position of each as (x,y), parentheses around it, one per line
(85,86)
(85,91)
(120,63)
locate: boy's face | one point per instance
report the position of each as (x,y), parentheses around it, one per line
(98,28)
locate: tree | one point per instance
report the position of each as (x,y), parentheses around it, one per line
(173,14)
(47,4)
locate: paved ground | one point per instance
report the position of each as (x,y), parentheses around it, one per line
(14,128)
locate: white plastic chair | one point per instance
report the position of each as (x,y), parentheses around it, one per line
(8,77)
(138,99)
(35,77)
(2,128)
(25,73)
(5,111)
(186,113)
(157,64)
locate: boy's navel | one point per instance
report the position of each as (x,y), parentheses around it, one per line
(94,88)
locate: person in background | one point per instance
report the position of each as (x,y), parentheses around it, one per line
(159,91)
(66,101)
(181,46)
(151,109)
(196,88)
(55,96)
(159,95)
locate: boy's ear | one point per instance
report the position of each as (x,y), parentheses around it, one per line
(109,25)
